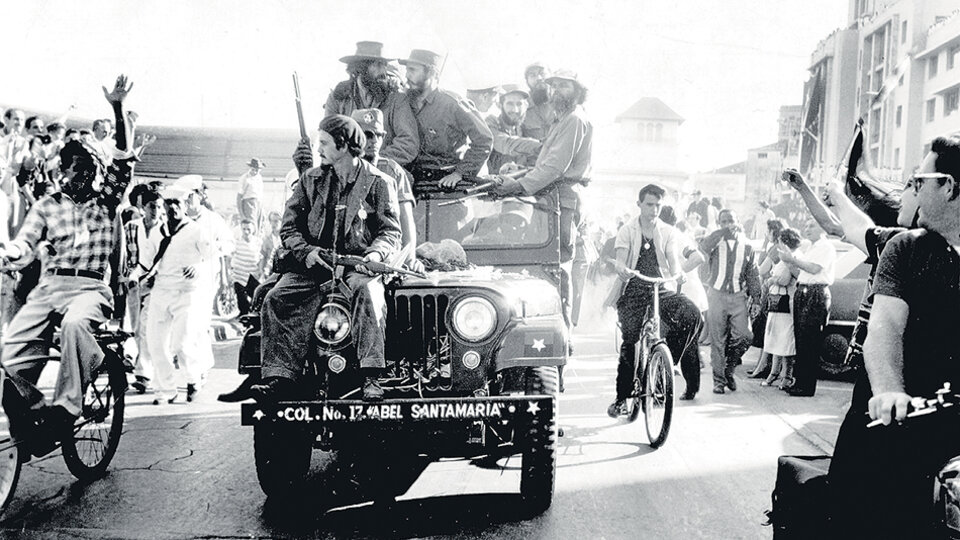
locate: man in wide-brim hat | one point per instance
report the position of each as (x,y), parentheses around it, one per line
(372,85)
(250,192)
(447,122)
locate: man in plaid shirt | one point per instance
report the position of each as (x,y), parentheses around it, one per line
(81,227)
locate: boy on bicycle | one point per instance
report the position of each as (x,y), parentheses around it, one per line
(653,248)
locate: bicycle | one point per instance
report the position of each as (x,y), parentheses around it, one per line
(653,381)
(91,444)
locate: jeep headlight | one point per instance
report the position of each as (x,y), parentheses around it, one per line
(332,326)
(474,318)
(536,299)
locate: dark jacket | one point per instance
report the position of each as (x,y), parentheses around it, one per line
(402,141)
(376,228)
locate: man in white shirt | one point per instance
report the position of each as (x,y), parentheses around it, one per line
(177,308)
(147,235)
(811,305)
(250,193)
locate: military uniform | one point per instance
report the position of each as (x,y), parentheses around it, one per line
(445,121)
(510,143)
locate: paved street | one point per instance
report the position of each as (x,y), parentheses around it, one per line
(186,470)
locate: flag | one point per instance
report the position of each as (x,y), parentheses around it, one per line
(879,199)
(811,121)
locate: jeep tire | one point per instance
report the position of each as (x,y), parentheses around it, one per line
(539,442)
(282,453)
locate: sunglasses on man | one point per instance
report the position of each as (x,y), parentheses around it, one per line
(917,180)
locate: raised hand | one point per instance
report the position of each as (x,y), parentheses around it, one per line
(303,155)
(120,90)
(793,178)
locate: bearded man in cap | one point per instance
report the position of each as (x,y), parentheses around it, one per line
(562,170)
(373,86)
(446,122)
(371,122)
(80,224)
(346,205)
(540,115)
(511,144)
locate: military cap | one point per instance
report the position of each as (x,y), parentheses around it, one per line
(369,120)
(366,50)
(424,58)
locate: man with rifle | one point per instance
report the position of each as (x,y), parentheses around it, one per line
(348,206)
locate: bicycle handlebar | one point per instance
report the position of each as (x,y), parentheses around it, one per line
(648,279)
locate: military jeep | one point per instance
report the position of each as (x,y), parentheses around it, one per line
(472,357)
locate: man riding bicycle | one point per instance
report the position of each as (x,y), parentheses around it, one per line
(653,248)
(79,223)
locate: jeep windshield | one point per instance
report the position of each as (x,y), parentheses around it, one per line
(484,222)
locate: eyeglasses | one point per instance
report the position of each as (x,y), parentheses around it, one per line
(918,179)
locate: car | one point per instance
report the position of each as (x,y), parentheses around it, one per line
(473,352)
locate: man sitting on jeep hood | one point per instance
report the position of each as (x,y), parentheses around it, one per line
(346,205)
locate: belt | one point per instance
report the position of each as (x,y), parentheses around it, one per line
(811,285)
(76,273)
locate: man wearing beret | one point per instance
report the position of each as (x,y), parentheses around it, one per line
(563,163)
(371,86)
(348,205)
(446,121)
(511,143)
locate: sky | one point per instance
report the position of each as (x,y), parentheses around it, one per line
(725,66)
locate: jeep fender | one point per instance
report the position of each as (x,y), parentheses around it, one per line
(540,341)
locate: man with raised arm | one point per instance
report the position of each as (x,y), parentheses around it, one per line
(733,277)
(79,224)
(910,351)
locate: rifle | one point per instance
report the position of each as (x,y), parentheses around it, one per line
(296,92)
(352,261)
(480,190)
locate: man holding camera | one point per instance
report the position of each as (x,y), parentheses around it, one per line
(733,277)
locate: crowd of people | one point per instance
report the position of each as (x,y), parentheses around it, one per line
(80,232)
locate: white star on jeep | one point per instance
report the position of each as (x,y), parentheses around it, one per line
(259,414)
(539,345)
(533,408)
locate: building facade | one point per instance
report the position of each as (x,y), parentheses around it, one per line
(904,60)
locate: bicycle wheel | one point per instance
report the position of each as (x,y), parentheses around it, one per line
(9,470)
(658,394)
(96,435)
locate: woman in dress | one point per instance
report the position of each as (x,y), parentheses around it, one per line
(778,338)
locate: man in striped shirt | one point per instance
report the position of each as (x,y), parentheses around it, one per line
(733,276)
(245,263)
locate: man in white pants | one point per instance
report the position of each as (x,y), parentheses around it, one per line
(178,315)
(223,245)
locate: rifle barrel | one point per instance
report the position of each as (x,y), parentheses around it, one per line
(296,92)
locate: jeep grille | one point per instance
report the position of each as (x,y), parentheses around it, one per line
(418,341)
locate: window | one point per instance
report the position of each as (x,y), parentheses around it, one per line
(761,155)
(903,32)
(659,133)
(952,54)
(896,158)
(640,129)
(951,101)
(931,109)
(899,115)
(932,72)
